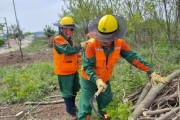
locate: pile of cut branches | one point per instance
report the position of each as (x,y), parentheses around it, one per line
(157,102)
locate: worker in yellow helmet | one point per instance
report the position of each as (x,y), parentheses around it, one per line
(66,57)
(104,48)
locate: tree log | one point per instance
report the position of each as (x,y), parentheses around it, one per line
(44,102)
(155,112)
(167,115)
(154,91)
(144,93)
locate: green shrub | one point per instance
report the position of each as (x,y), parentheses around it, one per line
(119,111)
(1,41)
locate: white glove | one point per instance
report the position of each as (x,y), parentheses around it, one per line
(157,78)
(100,84)
(83,44)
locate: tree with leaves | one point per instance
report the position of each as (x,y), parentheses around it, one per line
(49,32)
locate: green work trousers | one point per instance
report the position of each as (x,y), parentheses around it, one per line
(69,85)
(88,89)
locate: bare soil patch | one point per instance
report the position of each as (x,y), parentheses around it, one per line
(40,112)
(14,57)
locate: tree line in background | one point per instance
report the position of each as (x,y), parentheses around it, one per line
(147,20)
(12,32)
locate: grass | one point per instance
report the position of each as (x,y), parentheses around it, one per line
(30,82)
(37,45)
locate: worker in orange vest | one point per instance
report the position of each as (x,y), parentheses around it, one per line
(66,56)
(104,48)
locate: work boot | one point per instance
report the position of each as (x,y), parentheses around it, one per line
(74,101)
(70,106)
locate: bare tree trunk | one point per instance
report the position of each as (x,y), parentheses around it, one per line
(168,31)
(177,20)
(20,48)
(19,32)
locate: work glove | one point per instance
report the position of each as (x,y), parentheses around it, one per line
(155,78)
(83,44)
(100,84)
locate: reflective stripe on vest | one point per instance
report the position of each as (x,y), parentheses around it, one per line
(65,64)
(102,69)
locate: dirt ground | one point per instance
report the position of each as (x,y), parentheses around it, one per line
(14,57)
(35,112)
(40,112)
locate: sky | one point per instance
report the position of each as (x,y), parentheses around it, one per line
(32,15)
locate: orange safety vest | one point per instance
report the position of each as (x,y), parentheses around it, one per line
(102,69)
(64,64)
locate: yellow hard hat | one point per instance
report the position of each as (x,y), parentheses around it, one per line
(107,24)
(66,22)
(107,28)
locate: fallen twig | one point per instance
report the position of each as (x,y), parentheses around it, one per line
(44,102)
(126,99)
(165,116)
(155,112)
(146,118)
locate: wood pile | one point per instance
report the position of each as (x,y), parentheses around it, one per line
(157,102)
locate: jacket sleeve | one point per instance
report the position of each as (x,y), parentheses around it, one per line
(133,58)
(66,48)
(89,62)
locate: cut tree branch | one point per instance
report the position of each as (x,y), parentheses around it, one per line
(144,93)
(133,95)
(154,91)
(167,115)
(155,112)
